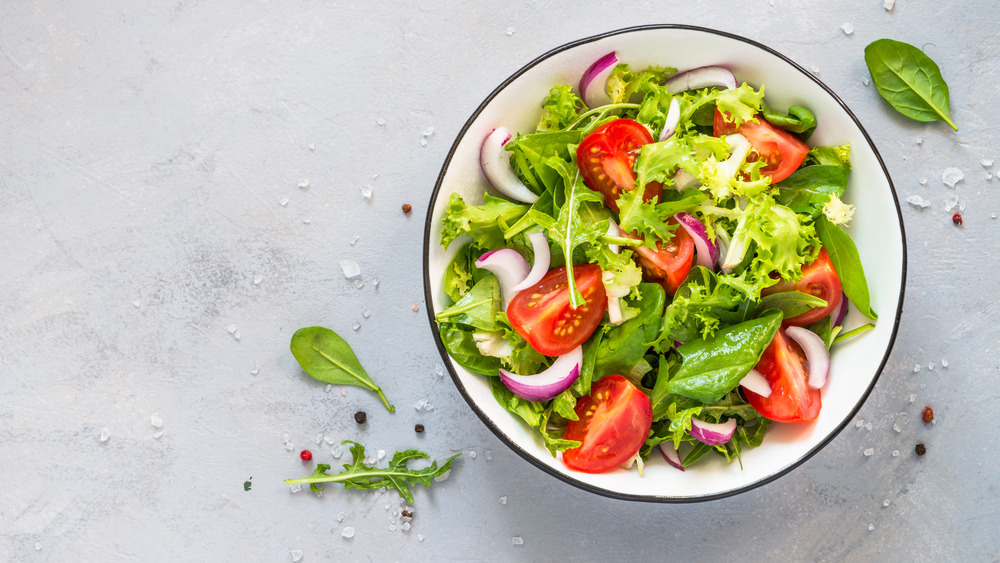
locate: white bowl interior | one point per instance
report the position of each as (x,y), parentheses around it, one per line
(876,229)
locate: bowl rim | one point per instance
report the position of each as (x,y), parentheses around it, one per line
(428,297)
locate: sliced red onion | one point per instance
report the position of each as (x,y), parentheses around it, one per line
(756,382)
(673,116)
(722,238)
(614,231)
(712,434)
(702,77)
(543,256)
(509,267)
(838,314)
(706,251)
(670,454)
(684,180)
(593,83)
(741,148)
(546,384)
(495,162)
(817,355)
(615,310)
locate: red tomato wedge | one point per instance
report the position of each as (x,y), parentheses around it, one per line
(784,366)
(782,151)
(818,279)
(669,265)
(543,315)
(606,159)
(614,421)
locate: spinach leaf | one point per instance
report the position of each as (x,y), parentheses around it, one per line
(909,80)
(809,188)
(358,475)
(624,345)
(797,120)
(712,367)
(478,308)
(461,346)
(326,356)
(847,262)
(790,303)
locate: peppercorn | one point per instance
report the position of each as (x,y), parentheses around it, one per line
(407,514)
(927,415)
(306,455)
(920,449)
(360,417)
(418,428)
(956,218)
(407,207)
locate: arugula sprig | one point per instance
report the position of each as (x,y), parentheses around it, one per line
(359,475)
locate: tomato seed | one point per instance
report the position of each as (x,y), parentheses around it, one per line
(306,455)
(956,218)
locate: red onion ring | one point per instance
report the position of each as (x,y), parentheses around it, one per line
(702,77)
(816,353)
(509,267)
(540,267)
(495,162)
(712,434)
(756,382)
(670,454)
(673,117)
(593,83)
(706,251)
(546,384)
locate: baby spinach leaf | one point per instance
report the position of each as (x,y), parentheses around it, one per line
(909,80)
(624,345)
(790,303)
(847,263)
(478,308)
(797,120)
(358,475)
(326,356)
(809,188)
(461,346)
(712,367)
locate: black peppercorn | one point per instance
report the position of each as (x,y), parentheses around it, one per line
(360,417)
(418,428)
(920,449)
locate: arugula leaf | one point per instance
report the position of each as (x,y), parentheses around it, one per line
(478,308)
(358,475)
(847,263)
(909,80)
(326,356)
(484,223)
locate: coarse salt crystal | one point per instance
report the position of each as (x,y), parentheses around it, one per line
(868,425)
(105,434)
(350,268)
(380,455)
(885,503)
(847,28)
(347,532)
(365,312)
(472,454)
(328,388)
(341,516)
(354,240)
(405,526)
(358,283)
(918,201)
(888,4)
(986,162)
(155,420)
(337,451)
(865,81)
(375,282)
(366,192)
(951,176)
(296,555)
(916,368)
(489,455)
(329,440)
(312,146)
(294,488)
(255,370)
(231,329)
(319,437)
(517,540)
(289,446)
(285,438)
(503,500)
(869,452)
(303,183)
(380,121)
(257,280)
(510,31)
(944,362)
(428,132)
(859,423)
(356,326)
(420,537)
(814,69)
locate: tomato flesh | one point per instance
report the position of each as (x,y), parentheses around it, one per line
(614,421)
(784,366)
(818,279)
(782,151)
(606,158)
(544,316)
(669,264)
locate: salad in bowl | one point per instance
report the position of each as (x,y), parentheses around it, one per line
(646,278)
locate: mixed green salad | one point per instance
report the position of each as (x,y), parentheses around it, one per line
(668,267)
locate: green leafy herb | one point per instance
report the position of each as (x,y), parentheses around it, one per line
(847,262)
(797,120)
(909,80)
(358,475)
(326,356)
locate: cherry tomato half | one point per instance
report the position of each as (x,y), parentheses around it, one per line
(543,315)
(614,421)
(818,279)
(669,265)
(606,159)
(784,366)
(782,151)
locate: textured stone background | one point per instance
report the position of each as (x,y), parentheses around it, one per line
(158,253)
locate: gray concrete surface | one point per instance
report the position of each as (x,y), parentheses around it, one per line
(179,182)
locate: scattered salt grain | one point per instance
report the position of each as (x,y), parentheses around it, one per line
(895,453)
(517,540)
(365,312)
(489,455)
(930,366)
(136,303)
(503,500)
(296,555)
(917,201)
(848,29)
(366,192)
(439,370)
(986,162)
(420,537)
(306,220)
(920,141)
(289,446)
(329,440)
(375,282)
(341,516)
(392,527)
(916,368)
(859,423)
(257,280)
(871,527)
(303,184)
(337,451)
(913,397)
(380,121)
(312,146)
(900,422)
(888,4)
(285,438)
(319,438)
(944,362)
(255,370)
(38,546)
(405,526)
(105,434)
(951,203)
(866,82)
(350,268)
(442,477)
(369,460)
(814,69)
(868,425)
(923,181)
(510,31)
(472,454)
(155,420)
(951,176)
(347,532)
(423,142)
(294,488)
(354,240)
(428,132)
(358,283)
(356,325)
(328,388)
(231,329)
(885,503)
(380,455)
(869,452)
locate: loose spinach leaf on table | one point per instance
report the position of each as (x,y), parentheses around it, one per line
(323,354)
(358,475)
(909,80)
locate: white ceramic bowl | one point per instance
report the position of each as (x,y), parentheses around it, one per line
(877,229)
